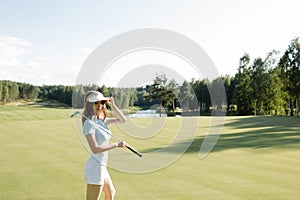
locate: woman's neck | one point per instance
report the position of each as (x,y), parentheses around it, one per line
(100,117)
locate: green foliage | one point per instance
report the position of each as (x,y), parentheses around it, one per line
(12,91)
(243,89)
(264,86)
(289,66)
(200,87)
(185,95)
(163,92)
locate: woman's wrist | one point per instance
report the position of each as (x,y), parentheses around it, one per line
(115,145)
(113,105)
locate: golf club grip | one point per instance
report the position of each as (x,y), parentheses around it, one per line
(134,151)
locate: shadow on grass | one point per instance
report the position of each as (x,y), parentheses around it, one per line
(49,104)
(250,133)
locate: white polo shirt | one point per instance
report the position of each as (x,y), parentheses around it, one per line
(102,138)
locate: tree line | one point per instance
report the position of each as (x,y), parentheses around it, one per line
(13,91)
(270,85)
(262,86)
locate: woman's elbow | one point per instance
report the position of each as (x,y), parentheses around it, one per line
(96,149)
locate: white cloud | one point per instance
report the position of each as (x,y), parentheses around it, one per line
(14,41)
(17,62)
(39,58)
(33,65)
(12,49)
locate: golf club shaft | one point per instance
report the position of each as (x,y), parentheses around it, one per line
(99,127)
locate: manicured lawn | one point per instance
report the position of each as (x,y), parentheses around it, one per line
(42,157)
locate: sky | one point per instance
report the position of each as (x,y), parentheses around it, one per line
(47,41)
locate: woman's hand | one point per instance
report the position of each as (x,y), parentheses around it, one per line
(120,117)
(111,101)
(122,144)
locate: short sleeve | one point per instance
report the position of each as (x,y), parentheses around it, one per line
(88,128)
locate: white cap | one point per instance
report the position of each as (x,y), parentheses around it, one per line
(97,96)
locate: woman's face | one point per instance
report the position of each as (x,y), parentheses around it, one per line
(99,106)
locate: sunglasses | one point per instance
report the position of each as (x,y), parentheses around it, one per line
(101,102)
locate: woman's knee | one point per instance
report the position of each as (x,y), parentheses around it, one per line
(109,190)
(110,193)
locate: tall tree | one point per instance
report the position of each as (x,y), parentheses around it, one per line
(78,96)
(142,93)
(1,90)
(243,88)
(273,91)
(162,92)
(5,90)
(275,95)
(133,97)
(258,85)
(201,90)
(229,84)
(185,96)
(289,66)
(14,91)
(217,93)
(172,97)
(105,91)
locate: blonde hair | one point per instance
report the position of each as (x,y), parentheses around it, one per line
(89,111)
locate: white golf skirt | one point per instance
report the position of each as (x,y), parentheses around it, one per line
(95,172)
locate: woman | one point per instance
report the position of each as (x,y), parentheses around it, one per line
(96,174)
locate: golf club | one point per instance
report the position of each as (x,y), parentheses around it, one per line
(101,128)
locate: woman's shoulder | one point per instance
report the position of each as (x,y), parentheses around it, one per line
(89,123)
(88,127)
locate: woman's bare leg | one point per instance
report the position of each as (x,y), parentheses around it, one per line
(93,192)
(109,189)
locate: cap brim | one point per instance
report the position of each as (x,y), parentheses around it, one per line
(92,101)
(95,98)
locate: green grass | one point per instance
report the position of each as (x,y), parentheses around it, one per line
(41,157)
